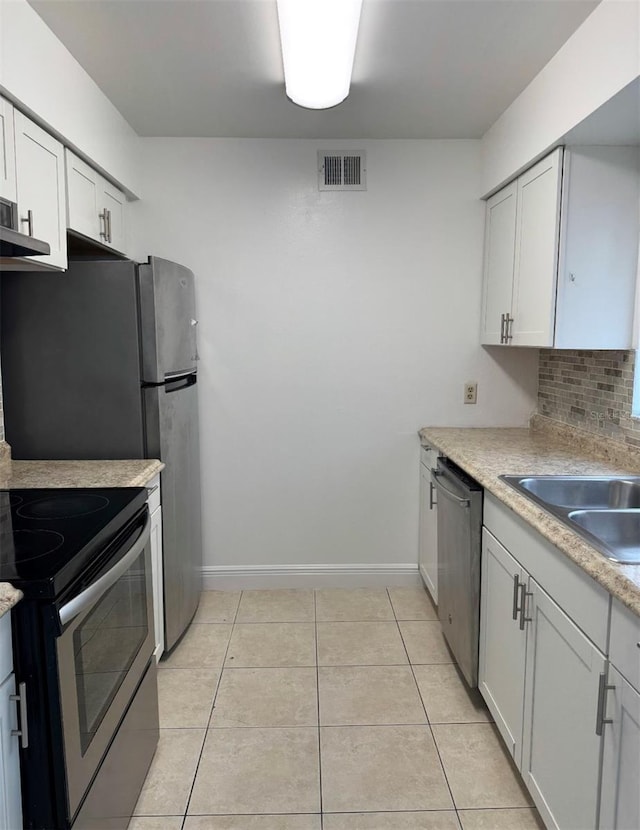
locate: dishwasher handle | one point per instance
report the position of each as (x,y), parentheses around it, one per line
(435,476)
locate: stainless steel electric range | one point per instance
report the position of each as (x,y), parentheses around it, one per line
(83,644)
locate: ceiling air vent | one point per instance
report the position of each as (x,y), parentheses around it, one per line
(342,171)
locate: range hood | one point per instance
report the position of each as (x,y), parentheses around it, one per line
(15,244)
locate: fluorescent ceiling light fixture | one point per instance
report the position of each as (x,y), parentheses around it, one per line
(318,40)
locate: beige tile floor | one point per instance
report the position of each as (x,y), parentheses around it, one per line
(324,710)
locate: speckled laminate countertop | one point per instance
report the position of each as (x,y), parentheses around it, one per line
(16,475)
(27,474)
(9,596)
(544,450)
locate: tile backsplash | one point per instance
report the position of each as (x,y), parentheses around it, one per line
(592,390)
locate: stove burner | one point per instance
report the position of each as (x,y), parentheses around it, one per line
(66,506)
(14,499)
(30,544)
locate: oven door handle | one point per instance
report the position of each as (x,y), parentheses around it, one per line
(90,595)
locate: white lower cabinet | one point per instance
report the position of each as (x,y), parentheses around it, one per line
(158,589)
(155,511)
(620,801)
(561,750)
(10,797)
(502,642)
(428,544)
(540,674)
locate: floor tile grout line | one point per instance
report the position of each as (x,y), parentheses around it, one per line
(433,737)
(213,703)
(315,626)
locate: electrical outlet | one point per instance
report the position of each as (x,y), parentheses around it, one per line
(470,392)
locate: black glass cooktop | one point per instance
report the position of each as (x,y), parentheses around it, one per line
(48,536)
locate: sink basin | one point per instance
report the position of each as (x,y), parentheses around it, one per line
(616,530)
(585,492)
(604,510)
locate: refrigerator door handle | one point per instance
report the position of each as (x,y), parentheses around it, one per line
(183,383)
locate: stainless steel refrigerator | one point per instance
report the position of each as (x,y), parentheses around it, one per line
(100,362)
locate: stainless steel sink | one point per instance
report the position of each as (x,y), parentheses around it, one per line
(604,510)
(616,530)
(588,492)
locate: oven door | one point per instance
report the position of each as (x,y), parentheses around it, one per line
(103,651)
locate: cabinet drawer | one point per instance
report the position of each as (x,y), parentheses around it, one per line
(624,647)
(153,490)
(6,649)
(584,601)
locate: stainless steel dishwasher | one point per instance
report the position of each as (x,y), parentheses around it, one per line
(459,545)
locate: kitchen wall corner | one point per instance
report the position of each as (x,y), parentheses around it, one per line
(592,390)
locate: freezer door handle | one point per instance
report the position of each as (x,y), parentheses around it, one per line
(183,373)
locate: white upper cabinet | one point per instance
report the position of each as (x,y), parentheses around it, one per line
(499,254)
(41,189)
(574,240)
(82,197)
(96,208)
(536,256)
(599,248)
(7,152)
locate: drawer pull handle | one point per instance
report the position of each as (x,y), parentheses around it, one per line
(23,732)
(523,605)
(603,688)
(516,585)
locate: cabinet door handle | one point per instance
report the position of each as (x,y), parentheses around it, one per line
(29,220)
(23,732)
(432,501)
(516,585)
(502,322)
(603,688)
(508,337)
(523,604)
(103,218)
(109,226)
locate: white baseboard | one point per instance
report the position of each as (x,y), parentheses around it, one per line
(246,577)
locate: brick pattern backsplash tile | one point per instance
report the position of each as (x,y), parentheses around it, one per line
(592,390)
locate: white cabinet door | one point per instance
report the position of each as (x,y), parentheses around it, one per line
(96,208)
(502,641)
(83,187)
(598,248)
(428,550)
(620,801)
(536,254)
(41,189)
(499,253)
(158,589)
(10,799)
(112,207)
(7,152)
(561,750)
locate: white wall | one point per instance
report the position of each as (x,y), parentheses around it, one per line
(39,74)
(599,60)
(332,327)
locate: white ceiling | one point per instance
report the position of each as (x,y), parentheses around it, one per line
(423,68)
